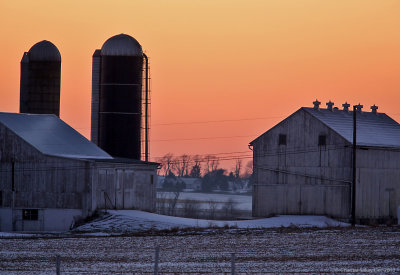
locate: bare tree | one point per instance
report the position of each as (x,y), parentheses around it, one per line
(167,163)
(178,166)
(212,163)
(249,169)
(197,160)
(238,167)
(182,165)
(185,164)
(195,172)
(187,168)
(236,173)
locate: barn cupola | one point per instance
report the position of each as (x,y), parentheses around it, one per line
(330,105)
(359,107)
(316,104)
(374,109)
(346,106)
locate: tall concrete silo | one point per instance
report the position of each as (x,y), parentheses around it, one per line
(117,89)
(40,79)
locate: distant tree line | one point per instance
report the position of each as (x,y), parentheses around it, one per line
(206,168)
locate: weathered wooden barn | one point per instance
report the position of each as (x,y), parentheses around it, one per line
(51,176)
(303,165)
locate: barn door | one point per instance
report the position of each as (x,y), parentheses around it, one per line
(101,189)
(119,190)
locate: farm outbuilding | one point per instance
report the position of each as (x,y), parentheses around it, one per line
(304,165)
(51,176)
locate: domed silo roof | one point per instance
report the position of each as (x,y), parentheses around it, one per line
(44,51)
(121,45)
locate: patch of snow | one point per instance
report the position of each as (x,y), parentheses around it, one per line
(15,235)
(140,221)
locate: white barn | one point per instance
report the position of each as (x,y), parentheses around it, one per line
(51,176)
(303,165)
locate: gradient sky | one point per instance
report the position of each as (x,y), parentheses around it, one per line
(245,64)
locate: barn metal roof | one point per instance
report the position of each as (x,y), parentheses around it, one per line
(51,136)
(373,129)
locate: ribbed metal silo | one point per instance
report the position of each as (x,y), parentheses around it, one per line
(117,97)
(40,79)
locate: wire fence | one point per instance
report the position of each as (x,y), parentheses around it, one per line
(229,267)
(234,251)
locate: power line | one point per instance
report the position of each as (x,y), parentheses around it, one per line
(282,152)
(211,154)
(302,175)
(302,150)
(201,122)
(201,138)
(214,121)
(243,155)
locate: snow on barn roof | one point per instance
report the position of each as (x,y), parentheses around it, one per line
(373,129)
(51,136)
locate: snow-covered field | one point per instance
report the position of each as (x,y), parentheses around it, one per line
(374,250)
(283,244)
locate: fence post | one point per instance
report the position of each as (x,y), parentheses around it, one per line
(58,263)
(233,263)
(156,260)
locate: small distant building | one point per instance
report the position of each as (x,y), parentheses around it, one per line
(303,165)
(192,184)
(51,176)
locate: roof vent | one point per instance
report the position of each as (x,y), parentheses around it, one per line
(374,108)
(316,104)
(346,106)
(359,107)
(330,105)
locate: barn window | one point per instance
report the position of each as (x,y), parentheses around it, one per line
(282,139)
(322,140)
(30,214)
(151,179)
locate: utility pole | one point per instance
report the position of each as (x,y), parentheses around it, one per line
(13,194)
(353,193)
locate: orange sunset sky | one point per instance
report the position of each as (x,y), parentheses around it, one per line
(223,71)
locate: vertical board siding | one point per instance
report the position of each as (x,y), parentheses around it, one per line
(57,185)
(323,191)
(327,189)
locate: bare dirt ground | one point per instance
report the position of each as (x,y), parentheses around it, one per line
(290,250)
